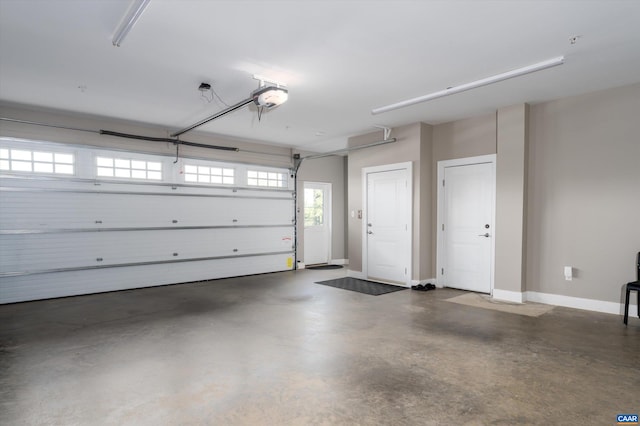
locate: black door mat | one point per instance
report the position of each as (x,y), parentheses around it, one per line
(324,267)
(362,286)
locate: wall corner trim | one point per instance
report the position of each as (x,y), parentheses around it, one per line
(356,274)
(508,296)
(423,282)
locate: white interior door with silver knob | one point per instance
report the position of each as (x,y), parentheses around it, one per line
(387,230)
(466,219)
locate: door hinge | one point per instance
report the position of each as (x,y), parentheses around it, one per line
(405,271)
(442,271)
(443,226)
(442,182)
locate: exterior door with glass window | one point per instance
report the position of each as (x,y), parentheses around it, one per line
(317,222)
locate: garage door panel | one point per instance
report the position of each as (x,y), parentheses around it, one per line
(41,252)
(44,286)
(29,210)
(102,186)
(68,235)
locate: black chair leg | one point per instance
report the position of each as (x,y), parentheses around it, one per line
(626,307)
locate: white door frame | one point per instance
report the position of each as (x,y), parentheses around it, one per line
(328,187)
(489,158)
(408,168)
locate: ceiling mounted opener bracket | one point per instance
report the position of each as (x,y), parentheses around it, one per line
(386,130)
(265,96)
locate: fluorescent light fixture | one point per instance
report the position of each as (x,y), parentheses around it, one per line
(472,85)
(129,20)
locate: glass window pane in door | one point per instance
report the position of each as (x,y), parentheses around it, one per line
(313,207)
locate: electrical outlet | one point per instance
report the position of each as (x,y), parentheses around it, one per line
(568,273)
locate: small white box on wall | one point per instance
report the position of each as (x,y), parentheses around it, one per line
(568,273)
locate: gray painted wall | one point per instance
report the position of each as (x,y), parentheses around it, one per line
(584,194)
(427,232)
(581,194)
(459,139)
(511,174)
(409,147)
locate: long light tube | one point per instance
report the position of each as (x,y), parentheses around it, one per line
(130,19)
(472,85)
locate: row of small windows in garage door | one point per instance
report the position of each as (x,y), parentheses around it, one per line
(29,161)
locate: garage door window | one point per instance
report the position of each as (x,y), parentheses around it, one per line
(267,179)
(211,175)
(22,160)
(128,168)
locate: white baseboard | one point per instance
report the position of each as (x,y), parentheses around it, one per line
(581,303)
(546,298)
(566,301)
(435,281)
(508,296)
(356,274)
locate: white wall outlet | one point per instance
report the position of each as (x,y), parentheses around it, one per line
(568,273)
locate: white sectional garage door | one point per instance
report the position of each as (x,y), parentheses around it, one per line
(86,230)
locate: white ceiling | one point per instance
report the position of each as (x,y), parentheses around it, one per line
(339,59)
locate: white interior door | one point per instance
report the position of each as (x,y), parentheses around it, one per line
(387,226)
(317,223)
(466,228)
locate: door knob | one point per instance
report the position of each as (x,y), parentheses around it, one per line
(368,224)
(484,235)
(370,232)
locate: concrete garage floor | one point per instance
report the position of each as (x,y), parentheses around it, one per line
(277,349)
